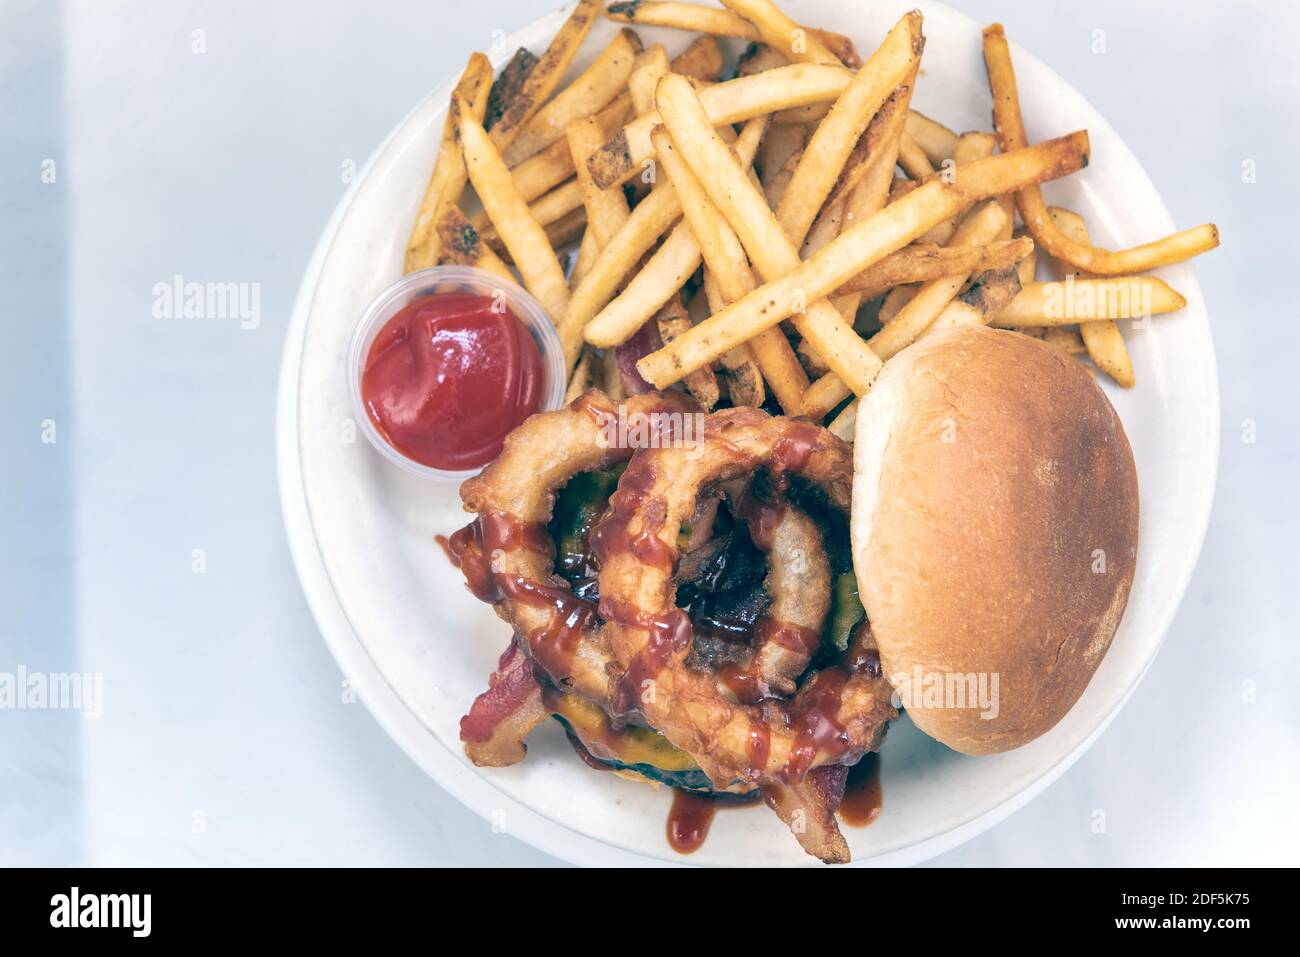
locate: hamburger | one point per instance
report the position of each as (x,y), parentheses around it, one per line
(994,532)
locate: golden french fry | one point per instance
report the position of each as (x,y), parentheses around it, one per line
(545,75)
(856,248)
(836,135)
(989,292)
(523,237)
(969,148)
(462,245)
(1066,338)
(933,137)
(868,157)
(588,250)
(626,153)
(584,375)
(650,65)
(780,143)
(665,272)
(672,320)
(648,221)
(702,60)
(770,250)
(606,208)
(553,165)
(776,185)
(922,262)
(593,90)
(1033,210)
(1102,339)
(447,181)
(744,379)
(1089,300)
(723,23)
(913,159)
(980,227)
(1028,265)
(781,33)
(551,208)
(717,244)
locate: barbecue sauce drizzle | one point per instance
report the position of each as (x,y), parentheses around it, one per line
(814,713)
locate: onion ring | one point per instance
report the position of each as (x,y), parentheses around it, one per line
(799,583)
(507,555)
(837,714)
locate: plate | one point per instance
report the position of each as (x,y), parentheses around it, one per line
(418,648)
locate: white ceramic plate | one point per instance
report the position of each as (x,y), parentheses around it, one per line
(418,648)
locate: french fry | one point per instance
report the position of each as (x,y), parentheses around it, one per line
(781,33)
(990,291)
(1102,339)
(624,154)
(894,301)
(770,250)
(666,271)
(447,181)
(612,379)
(986,296)
(933,137)
(650,65)
(549,209)
(1066,338)
(588,250)
(702,60)
(545,75)
(969,147)
(774,189)
(606,208)
(672,320)
(914,160)
(1028,265)
(584,375)
(882,136)
(507,84)
(649,220)
(553,165)
(717,244)
(462,245)
(836,135)
(723,23)
(920,263)
(593,90)
(981,226)
(1089,300)
(860,246)
(529,247)
(744,379)
(780,143)
(1033,210)
(568,229)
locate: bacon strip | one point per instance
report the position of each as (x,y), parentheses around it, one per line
(808,809)
(503,715)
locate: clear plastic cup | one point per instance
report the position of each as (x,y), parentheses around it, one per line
(443,279)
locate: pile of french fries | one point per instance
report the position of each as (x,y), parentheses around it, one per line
(772,238)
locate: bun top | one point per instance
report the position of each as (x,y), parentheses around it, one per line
(994,529)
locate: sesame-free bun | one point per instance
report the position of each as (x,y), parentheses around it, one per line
(994,528)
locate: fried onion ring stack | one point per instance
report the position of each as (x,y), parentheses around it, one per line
(787,716)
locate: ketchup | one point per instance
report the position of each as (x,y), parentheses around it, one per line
(449,377)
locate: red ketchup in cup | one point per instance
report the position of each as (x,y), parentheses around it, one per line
(449,376)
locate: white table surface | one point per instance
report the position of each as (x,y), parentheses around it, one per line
(225,738)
